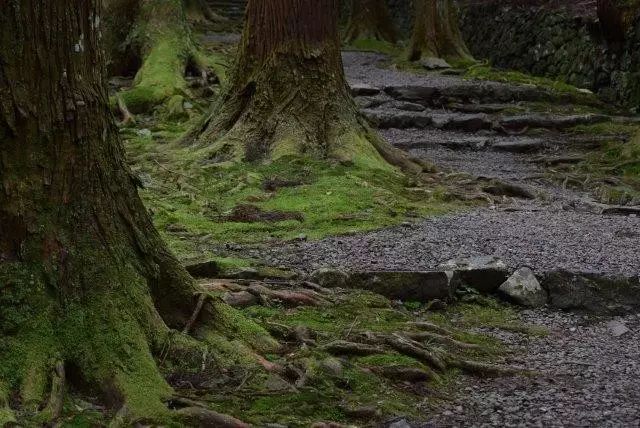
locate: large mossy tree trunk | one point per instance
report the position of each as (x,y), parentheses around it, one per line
(152,39)
(370,19)
(436,32)
(287,94)
(87,286)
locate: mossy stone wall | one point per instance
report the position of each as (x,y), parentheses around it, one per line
(556,43)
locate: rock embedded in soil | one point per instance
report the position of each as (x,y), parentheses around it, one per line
(484,273)
(524,289)
(330,278)
(405,285)
(594,293)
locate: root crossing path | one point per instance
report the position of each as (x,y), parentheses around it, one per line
(588,368)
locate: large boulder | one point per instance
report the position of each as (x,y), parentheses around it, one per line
(524,289)
(483,273)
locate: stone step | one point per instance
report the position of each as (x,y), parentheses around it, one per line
(385,118)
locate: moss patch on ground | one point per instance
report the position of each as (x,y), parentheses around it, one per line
(197,201)
(486,72)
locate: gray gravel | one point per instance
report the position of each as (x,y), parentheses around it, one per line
(586,378)
(545,240)
(546,234)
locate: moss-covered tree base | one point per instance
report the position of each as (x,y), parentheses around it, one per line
(295,107)
(161,46)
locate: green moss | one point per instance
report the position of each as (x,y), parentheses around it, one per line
(384,360)
(190,197)
(606,128)
(485,72)
(160,77)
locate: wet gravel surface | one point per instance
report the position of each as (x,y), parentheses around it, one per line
(586,377)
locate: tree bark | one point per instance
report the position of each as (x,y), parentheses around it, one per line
(85,278)
(616,18)
(436,32)
(287,94)
(370,19)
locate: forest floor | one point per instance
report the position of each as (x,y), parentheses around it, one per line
(560,191)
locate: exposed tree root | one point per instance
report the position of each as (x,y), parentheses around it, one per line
(341,347)
(415,350)
(436,359)
(446,340)
(202,417)
(127,117)
(406,374)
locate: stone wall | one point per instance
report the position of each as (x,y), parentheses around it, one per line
(554,41)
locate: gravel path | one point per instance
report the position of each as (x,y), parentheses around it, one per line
(588,377)
(547,234)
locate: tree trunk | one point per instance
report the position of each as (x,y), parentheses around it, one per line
(287,94)
(152,39)
(436,32)
(616,18)
(198,11)
(86,282)
(370,19)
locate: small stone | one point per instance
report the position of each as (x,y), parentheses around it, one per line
(144,132)
(433,63)
(524,289)
(400,423)
(617,329)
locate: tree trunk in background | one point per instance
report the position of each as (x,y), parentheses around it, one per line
(86,282)
(198,11)
(152,39)
(370,19)
(436,32)
(287,94)
(616,18)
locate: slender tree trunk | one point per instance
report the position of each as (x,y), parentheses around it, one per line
(370,19)
(86,282)
(152,39)
(287,94)
(436,32)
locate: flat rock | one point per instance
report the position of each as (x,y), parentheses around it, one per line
(405,285)
(519,145)
(483,273)
(524,289)
(592,292)
(207,269)
(433,63)
(617,329)
(549,121)
(621,210)
(362,89)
